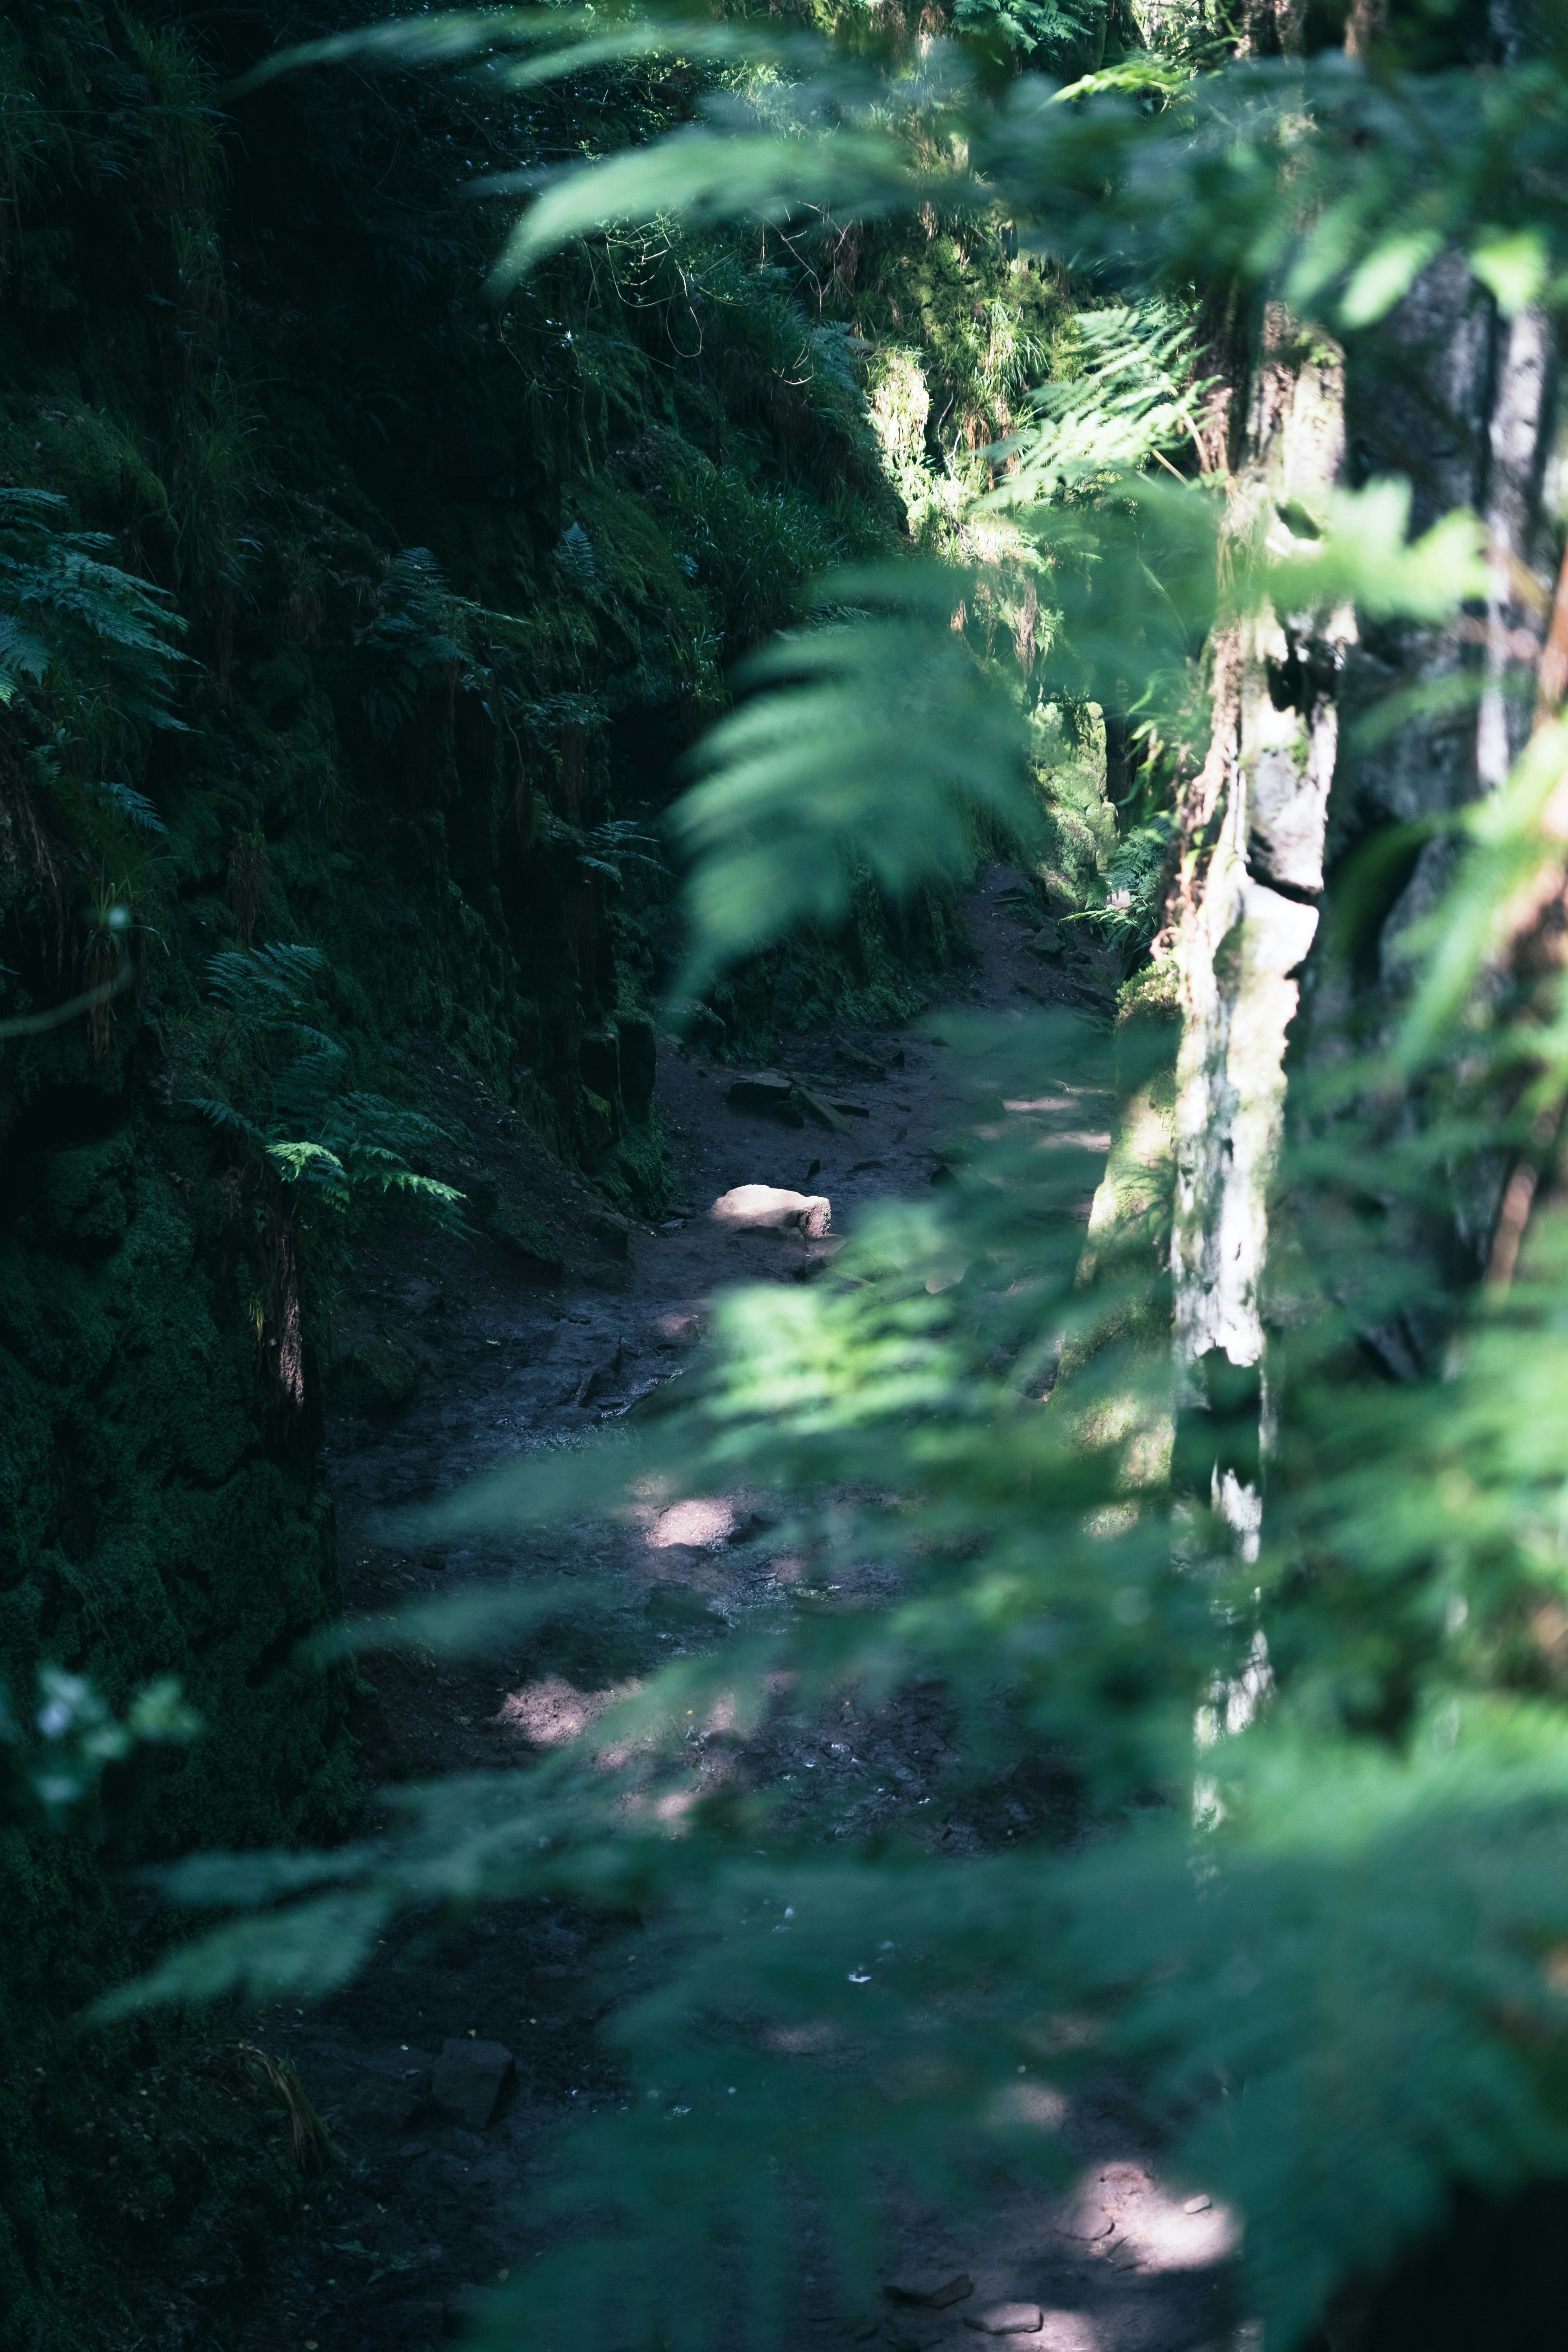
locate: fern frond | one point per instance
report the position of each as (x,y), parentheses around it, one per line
(224,1116)
(134,806)
(862,743)
(62,598)
(1132,394)
(263,985)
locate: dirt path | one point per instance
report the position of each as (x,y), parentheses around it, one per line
(436,2207)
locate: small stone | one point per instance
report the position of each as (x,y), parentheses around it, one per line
(1197,2205)
(932,2289)
(385,2102)
(770,1091)
(767,1208)
(1007,2319)
(823,1113)
(470,2079)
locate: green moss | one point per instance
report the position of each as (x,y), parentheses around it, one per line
(635,1173)
(378,1377)
(515,1229)
(1154,993)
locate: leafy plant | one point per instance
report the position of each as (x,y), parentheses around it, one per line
(1135,882)
(67,612)
(348,1146)
(410,635)
(1039,30)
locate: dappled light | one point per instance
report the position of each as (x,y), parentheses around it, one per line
(783,1094)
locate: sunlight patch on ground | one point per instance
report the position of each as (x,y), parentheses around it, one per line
(699,1521)
(1124,2217)
(1063,2331)
(551,1712)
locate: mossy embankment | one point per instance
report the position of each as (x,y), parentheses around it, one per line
(447,589)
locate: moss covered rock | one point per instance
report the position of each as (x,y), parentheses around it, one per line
(378,1376)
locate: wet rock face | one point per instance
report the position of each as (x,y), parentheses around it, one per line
(470,2080)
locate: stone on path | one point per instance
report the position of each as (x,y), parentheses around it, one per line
(1007,2319)
(823,1113)
(1197,2205)
(767,1090)
(470,2079)
(767,1208)
(932,2289)
(385,2102)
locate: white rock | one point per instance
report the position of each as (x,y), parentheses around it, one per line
(1007,2319)
(765,1208)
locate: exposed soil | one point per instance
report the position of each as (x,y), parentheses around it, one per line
(432,2211)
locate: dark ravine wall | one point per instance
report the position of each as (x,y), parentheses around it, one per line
(459,586)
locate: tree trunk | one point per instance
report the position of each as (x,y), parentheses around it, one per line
(1253,824)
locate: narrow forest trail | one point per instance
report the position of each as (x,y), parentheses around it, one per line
(435,2207)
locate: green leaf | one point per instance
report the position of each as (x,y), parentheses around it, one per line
(708,177)
(859,749)
(1364,559)
(299,1953)
(1386,275)
(1513,268)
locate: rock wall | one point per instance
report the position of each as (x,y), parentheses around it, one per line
(451,588)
